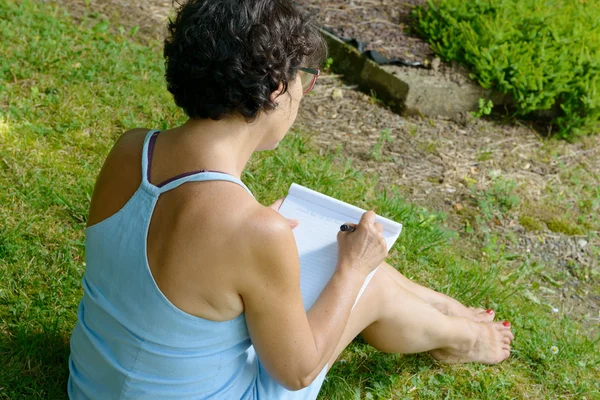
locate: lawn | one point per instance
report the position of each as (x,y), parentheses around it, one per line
(68,90)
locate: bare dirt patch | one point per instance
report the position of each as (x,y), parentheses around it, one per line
(470,172)
(381,25)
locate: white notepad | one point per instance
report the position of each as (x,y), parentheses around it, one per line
(320,218)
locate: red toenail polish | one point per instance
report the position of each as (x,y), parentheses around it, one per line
(506,324)
(490,311)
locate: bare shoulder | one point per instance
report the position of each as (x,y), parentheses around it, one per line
(127,148)
(130,140)
(267,223)
(119,177)
(268,228)
(270,243)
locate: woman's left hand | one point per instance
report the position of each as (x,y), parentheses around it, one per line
(275,206)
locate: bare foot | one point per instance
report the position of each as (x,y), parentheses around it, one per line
(481,314)
(458,310)
(484,342)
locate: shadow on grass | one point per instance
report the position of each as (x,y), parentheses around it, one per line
(362,369)
(35,363)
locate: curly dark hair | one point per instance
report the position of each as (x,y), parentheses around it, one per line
(227,56)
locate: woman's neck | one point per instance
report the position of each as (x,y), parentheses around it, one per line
(225,145)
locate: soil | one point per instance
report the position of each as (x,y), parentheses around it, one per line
(437,163)
(382,25)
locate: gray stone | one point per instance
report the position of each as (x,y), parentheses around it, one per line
(409,90)
(433,94)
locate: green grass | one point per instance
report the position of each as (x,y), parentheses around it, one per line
(67,91)
(376,151)
(499,198)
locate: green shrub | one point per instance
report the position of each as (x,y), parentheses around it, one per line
(545,53)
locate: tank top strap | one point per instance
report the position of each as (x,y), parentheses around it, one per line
(147,151)
(201,176)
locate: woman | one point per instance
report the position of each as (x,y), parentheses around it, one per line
(192,287)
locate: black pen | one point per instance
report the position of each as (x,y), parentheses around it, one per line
(347,228)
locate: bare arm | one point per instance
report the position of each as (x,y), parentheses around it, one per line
(293,345)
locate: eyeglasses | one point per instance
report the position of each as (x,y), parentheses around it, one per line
(309,78)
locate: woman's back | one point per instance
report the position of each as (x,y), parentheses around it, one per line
(195,247)
(129,336)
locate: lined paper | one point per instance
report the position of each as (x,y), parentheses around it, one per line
(320,218)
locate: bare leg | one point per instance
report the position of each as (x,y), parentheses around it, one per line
(394,320)
(443,303)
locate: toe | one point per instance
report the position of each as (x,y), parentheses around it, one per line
(490,314)
(509,334)
(483,315)
(504,328)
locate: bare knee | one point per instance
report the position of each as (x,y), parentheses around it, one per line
(383,292)
(383,296)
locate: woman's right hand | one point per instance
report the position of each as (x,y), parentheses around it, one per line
(365,248)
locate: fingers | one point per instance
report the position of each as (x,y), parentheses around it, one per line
(368,218)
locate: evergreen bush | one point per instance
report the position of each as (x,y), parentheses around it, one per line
(545,53)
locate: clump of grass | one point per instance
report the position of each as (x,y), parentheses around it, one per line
(384,137)
(485,156)
(90,85)
(560,224)
(498,199)
(531,223)
(429,147)
(555,218)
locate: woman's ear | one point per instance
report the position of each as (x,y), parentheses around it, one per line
(274,95)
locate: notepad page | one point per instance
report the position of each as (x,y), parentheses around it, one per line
(352,213)
(320,218)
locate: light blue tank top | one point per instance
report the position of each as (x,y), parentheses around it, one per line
(131,342)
